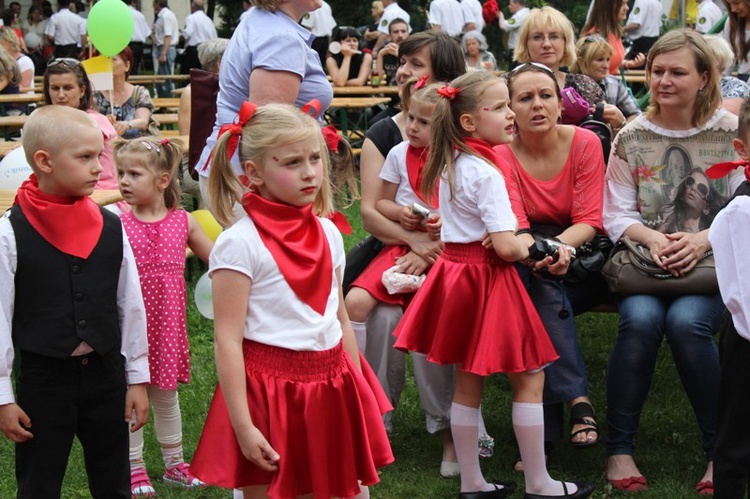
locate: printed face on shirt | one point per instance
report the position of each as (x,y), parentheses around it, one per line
(535,102)
(546,46)
(740,8)
(418,123)
(138,183)
(64,90)
(291,174)
(494,120)
(417,64)
(74,166)
(675,80)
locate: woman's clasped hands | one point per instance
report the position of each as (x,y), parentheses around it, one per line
(679,252)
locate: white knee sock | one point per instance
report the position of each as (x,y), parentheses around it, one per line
(482,430)
(360,334)
(364,493)
(464,421)
(136,450)
(528,425)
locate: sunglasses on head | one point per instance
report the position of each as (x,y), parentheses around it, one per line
(593,38)
(65,61)
(702,188)
(534,65)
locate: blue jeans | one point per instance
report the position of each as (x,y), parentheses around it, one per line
(164,68)
(688,322)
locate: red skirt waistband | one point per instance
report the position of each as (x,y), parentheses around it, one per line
(470,253)
(292,364)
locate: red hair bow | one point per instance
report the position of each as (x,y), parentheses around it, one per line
(235,128)
(448,92)
(720,170)
(313,108)
(332,137)
(422,82)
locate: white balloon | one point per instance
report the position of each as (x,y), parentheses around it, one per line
(203,297)
(334,47)
(32,40)
(14,169)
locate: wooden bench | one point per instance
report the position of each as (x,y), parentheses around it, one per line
(166,102)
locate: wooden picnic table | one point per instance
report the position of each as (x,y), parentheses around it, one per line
(102,197)
(166,102)
(365,90)
(25,99)
(354,126)
(6,146)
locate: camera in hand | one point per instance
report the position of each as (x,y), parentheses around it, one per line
(544,247)
(420,210)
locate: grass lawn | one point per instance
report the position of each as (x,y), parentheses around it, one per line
(669,451)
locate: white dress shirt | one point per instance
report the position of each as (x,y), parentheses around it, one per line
(473,13)
(65,28)
(141,29)
(198,28)
(393,11)
(166,25)
(448,14)
(320,21)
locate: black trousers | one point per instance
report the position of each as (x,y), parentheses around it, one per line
(66,51)
(641,45)
(137,48)
(732,454)
(189,59)
(64,398)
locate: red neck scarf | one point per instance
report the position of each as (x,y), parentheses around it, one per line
(341,223)
(71,224)
(298,245)
(416,158)
(483,149)
(720,170)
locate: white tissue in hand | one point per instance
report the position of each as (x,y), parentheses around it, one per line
(398,282)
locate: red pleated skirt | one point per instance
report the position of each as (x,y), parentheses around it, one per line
(474,311)
(371,278)
(322,416)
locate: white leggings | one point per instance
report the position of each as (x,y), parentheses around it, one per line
(167,422)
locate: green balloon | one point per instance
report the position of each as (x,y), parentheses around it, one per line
(110,26)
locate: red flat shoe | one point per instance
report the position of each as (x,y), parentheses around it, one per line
(705,488)
(631,483)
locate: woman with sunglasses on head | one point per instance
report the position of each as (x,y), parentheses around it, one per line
(555,177)
(67,84)
(594,54)
(685,111)
(436,56)
(547,38)
(606,20)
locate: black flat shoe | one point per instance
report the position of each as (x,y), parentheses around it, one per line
(505,489)
(584,490)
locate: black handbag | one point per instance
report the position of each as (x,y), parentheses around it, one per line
(359,257)
(630,270)
(590,256)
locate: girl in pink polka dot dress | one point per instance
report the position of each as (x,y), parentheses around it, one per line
(159,231)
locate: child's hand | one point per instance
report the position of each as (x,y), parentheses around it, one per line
(13,423)
(136,399)
(256,448)
(408,219)
(433,225)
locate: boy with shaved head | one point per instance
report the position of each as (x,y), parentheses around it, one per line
(71,307)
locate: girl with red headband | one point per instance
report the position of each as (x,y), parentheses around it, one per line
(297,410)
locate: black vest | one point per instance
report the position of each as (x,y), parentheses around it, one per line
(61,299)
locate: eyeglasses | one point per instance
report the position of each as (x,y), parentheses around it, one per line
(65,61)
(535,65)
(540,37)
(701,188)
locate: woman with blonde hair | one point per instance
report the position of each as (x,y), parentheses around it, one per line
(733,90)
(10,77)
(547,38)
(9,41)
(685,111)
(371,34)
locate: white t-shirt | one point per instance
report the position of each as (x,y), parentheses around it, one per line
(166,25)
(473,13)
(320,21)
(394,171)
(729,236)
(448,14)
(393,11)
(275,316)
(513,26)
(141,29)
(708,15)
(647,14)
(198,28)
(64,27)
(25,63)
(480,203)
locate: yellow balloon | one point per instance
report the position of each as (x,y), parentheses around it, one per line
(208,223)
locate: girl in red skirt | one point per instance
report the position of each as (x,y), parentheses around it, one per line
(473,310)
(297,411)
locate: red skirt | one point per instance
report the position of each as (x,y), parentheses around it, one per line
(474,311)
(371,278)
(316,410)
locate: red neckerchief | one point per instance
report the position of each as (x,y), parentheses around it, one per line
(341,223)
(71,224)
(483,149)
(723,169)
(298,245)
(416,158)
